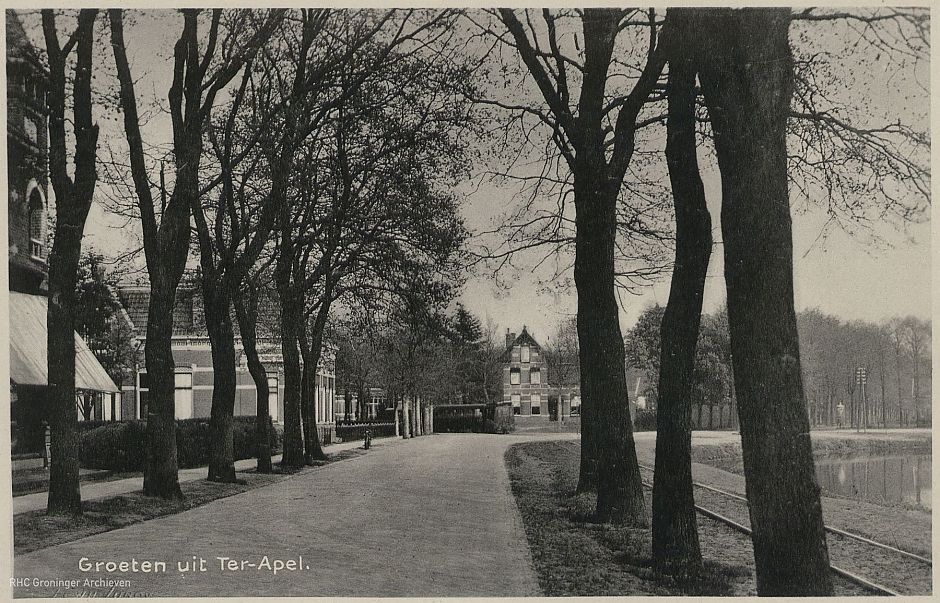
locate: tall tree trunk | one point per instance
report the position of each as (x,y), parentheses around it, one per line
(161,474)
(246,311)
(293,446)
(884,408)
(406,417)
(675,533)
(307,401)
(397,416)
(897,369)
(218,313)
(74,200)
(313,451)
(587,470)
(361,407)
(748,108)
(603,378)
(312,348)
(419,413)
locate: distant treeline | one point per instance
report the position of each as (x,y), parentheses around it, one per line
(894,357)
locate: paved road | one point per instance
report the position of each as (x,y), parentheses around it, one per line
(431,516)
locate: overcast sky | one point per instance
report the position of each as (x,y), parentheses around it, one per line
(839,274)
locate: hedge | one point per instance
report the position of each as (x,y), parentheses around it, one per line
(458,424)
(501,424)
(122,446)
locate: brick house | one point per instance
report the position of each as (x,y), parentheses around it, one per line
(192,354)
(527,382)
(27,162)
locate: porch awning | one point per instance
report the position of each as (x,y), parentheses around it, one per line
(28,341)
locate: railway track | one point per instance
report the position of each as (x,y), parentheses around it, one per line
(874,566)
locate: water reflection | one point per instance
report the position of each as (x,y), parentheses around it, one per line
(878,479)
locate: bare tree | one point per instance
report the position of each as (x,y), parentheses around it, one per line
(561,359)
(596,136)
(917,335)
(675,534)
(247,304)
(73,200)
(749,111)
(191,98)
(232,233)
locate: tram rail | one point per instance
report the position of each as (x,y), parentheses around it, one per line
(854,577)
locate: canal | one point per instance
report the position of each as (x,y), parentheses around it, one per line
(888,479)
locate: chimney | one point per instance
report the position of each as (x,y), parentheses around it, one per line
(510,337)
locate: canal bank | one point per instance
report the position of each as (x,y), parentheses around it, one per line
(715,454)
(889,468)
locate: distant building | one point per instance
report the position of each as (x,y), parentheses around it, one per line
(27,210)
(527,382)
(348,408)
(192,354)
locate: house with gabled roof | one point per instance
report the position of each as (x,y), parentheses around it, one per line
(527,381)
(192,353)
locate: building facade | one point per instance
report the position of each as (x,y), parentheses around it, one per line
(27,162)
(194,373)
(527,383)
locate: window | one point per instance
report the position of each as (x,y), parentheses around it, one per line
(514,376)
(535,376)
(272,397)
(536,400)
(525,354)
(36,219)
(183,395)
(515,399)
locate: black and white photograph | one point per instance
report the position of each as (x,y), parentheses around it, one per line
(457,301)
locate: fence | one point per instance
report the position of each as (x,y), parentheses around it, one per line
(348,431)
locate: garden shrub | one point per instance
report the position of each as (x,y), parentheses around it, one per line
(116,446)
(501,424)
(122,446)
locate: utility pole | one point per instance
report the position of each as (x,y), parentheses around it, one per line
(861,378)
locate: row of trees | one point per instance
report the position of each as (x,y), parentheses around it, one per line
(895,356)
(604,95)
(311,161)
(449,357)
(712,374)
